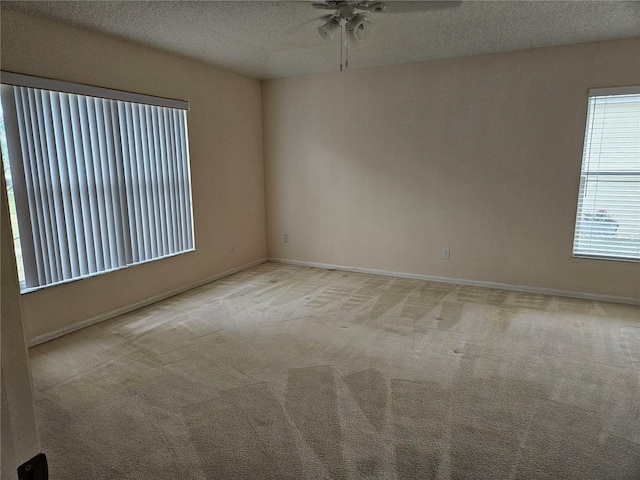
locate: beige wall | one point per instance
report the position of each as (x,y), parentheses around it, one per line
(377,168)
(225,133)
(383,168)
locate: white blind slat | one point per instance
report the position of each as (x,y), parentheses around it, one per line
(175,150)
(153,184)
(25,247)
(159,183)
(32,242)
(77,108)
(64,208)
(134,198)
(109,182)
(149,182)
(170,160)
(39,163)
(142,167)
(74,208)
(185,181)
(59,242)
(96,188)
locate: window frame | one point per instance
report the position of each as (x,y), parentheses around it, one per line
(144,102)
(594,254)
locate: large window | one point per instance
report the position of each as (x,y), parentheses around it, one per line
(99,179)
(608,214)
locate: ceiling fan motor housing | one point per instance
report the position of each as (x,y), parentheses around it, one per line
(346,9)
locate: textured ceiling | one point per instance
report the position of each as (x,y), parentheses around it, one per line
(268,39)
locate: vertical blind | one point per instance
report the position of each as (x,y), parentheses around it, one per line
(608,213)
(99,184)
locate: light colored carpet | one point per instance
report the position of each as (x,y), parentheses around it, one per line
(294,372)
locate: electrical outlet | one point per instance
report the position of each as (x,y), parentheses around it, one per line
(232,247)
(446,254)
(285,238)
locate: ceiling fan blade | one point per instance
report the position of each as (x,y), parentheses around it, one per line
(323,6)
(398,6)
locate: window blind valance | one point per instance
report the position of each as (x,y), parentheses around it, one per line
(21,80)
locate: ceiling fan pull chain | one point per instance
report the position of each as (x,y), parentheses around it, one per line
(346,40)
(341,41)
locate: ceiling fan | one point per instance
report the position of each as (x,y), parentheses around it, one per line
(350,18)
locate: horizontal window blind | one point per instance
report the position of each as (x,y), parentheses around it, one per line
(608,213)
(99,183)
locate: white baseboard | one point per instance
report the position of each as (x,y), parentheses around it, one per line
(458,281)
(128,308)
(461,281)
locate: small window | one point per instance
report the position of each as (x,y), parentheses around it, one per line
(608,213)
(98,181)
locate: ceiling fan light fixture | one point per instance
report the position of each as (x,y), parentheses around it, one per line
(359,27)
(329,29)
(356,21)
